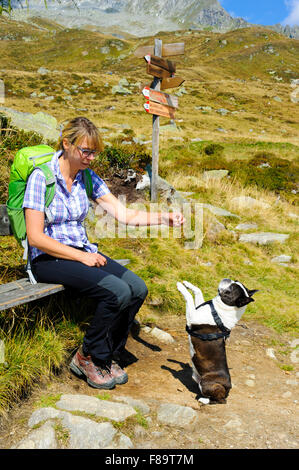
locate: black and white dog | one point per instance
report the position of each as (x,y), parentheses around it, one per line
(208,325)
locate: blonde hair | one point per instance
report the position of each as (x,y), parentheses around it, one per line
(79,128)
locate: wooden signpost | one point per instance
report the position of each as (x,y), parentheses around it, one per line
(159,103)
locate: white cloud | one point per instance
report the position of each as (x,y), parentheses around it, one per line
(293,18)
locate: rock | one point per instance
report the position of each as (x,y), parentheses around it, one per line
(123,82)
(248,202)
(84,53)
(196,139)
(42,123)
(263,238)
(281,259)
(215,227)
(177,415)
(124,442)
(278,99)
(287,395)
(216,174)
(219,211)
(41,438)
(139,404)
(234,423)
(87,434)
(220,129)
(43,414)
(105,50)
(43,71)
(103,408)
(250,383)
(246,226)
(87,82)
(270,353)
(223,111)
(169,128)
(120,90)
(162,335)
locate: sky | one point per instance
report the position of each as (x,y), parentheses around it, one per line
(265,12)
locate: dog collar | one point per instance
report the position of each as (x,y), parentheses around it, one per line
(225,332)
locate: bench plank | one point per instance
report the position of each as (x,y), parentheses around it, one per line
(22,291)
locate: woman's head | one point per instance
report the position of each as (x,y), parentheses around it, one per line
(78,130)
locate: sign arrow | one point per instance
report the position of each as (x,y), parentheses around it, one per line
(159,109)
(159,97)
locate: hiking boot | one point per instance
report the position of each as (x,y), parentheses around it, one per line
(119,375)
(97,377)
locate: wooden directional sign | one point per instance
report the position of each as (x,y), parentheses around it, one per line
(162,63)
(161,98)
(159,109)
(171,82)
(177,48)
(157,71)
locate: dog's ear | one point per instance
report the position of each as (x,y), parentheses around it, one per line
(252,292)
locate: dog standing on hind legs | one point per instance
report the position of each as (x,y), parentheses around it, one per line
(208,326)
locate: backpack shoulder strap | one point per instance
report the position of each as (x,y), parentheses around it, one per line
(50,183)
(87,182)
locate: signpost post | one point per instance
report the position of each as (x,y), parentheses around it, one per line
(159,103)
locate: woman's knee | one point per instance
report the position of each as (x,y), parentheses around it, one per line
(138,286)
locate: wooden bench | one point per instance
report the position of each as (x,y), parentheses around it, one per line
(22,291)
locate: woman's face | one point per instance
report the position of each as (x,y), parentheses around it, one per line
(82,154)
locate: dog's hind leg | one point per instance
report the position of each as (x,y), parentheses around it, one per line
(197,291)
(189,301)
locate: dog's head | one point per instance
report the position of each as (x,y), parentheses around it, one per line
(234,293)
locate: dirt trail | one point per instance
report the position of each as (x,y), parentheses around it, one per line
(261,410)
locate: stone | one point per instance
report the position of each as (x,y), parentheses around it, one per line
(218,211)
(124,442)
(162,335)
(103,408)
(234,423)
(139,404)
(249,202)
(42,123)
(270,353)
(263,238)
(177,415)
(281,259)
(139,431)
(120,90)
(144,183)
(223,111)
(246,226)
(41,438)
(220,129)
(43,414)
(278,99)
(87,434)
(250,383)
(43,71)
(215,227)
(215,174)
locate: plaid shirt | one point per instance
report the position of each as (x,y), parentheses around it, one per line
(68,209)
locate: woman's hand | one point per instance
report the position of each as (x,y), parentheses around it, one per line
(93,259)
(173,219)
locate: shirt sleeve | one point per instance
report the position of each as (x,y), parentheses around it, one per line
(99,187)
(34,197)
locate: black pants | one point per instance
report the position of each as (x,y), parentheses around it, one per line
(119,294)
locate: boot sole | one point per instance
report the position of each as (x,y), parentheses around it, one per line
(80,373)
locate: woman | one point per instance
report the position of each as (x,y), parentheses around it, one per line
(61,252)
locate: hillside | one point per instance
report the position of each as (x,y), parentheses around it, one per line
(247,72)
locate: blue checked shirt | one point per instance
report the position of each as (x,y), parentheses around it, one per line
(68,210)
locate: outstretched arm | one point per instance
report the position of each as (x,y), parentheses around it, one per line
(135,217)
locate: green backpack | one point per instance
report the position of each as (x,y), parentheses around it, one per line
(25,161)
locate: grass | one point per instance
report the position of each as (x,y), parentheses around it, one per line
(259,130)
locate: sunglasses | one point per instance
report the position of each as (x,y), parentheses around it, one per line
(87,152)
